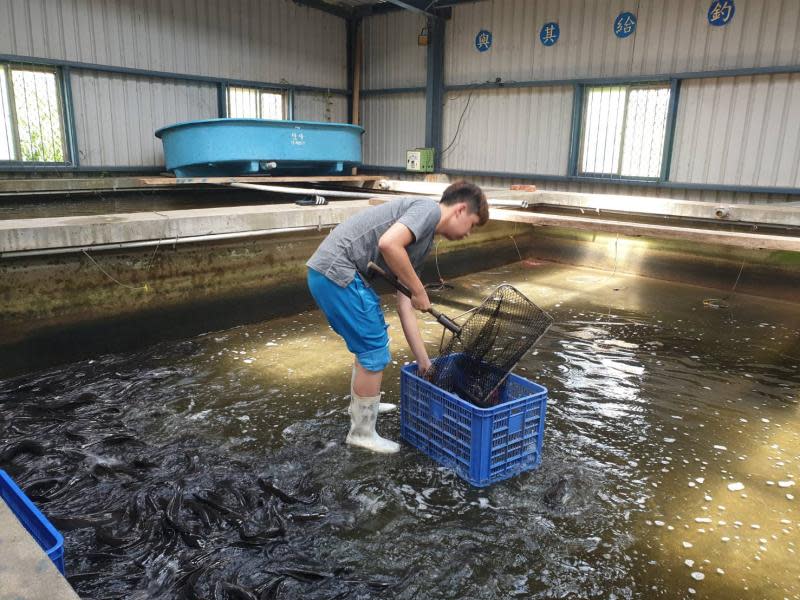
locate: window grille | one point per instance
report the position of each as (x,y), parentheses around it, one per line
(623,131)
(255,103)
(31,115)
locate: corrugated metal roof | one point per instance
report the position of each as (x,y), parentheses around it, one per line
(393,124)
(670,37)
(392,56)
(240,39)
(116,115)
(513,130)
(739,131)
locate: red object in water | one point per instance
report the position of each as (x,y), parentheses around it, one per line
(533,263)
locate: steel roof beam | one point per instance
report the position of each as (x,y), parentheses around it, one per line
(420,7)
(328,7)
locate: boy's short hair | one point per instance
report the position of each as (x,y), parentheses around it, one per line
(472,195)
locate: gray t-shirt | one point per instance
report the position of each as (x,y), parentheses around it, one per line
(353,243)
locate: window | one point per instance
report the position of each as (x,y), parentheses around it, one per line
(623,131)
(254,103)
(31,127)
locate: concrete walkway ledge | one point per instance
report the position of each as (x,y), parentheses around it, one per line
(25,235)
(26,573)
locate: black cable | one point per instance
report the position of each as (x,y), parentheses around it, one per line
(458,127)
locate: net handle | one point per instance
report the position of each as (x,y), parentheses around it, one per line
(443,320)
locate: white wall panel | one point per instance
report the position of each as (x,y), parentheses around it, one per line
(392,56)
(393,123)
(116,116)
(512,130)
(672,36)
(318,106)
(739,131)
(258,40)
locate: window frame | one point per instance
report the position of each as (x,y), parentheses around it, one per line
(282,92)
(666,143)
(58,74)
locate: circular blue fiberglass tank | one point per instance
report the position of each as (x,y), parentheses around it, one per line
(228,147)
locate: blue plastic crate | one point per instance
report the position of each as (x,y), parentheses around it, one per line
(47,536)
(482,445)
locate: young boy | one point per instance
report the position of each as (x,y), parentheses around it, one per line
(397,236)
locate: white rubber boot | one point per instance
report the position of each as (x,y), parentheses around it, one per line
(383,407)
(363,415)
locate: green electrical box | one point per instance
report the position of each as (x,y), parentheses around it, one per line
(420,160)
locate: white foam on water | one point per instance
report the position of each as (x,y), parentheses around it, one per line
(735,487)
(200,416)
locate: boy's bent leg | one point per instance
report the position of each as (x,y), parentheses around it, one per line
(383,407)
(355,313)
(365,396)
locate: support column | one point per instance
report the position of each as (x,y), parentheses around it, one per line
(354,58)
(434,89)
(70,133)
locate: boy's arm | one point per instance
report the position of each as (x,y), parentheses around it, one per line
(392,246)
(408,319)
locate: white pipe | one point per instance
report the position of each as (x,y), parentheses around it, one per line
(511,203)
(163,242)
(338,194)
(302,191)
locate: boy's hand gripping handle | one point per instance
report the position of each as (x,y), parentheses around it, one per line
(444,320)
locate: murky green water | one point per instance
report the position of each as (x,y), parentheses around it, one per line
(661,407)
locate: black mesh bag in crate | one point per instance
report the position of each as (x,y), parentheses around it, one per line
(491,341)
(487,346)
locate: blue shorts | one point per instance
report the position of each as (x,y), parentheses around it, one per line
(354,312)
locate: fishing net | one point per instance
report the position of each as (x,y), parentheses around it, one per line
(493,339)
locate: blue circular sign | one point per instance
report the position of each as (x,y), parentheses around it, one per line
(483,41)
(720,12)
(549,33)
(624,24)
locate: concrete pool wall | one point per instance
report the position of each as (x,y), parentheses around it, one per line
(72,286)
(109,300)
